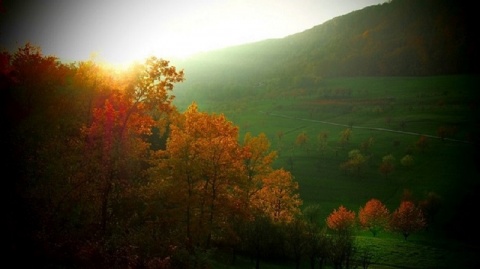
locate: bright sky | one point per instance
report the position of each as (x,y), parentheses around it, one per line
(120,31)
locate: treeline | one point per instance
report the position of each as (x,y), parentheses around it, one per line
(398,38)
(103,171)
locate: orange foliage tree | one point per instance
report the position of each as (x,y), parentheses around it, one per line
(210,184)
(374,216)
(341,220)
(407,219)
(199,173)
(278,197)
(258,161)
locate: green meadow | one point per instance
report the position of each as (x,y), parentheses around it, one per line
(393,113)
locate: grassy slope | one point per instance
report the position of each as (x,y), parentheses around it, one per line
(416,105)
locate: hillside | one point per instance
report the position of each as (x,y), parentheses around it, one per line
(399,38)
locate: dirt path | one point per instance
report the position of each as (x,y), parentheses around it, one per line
(362,127)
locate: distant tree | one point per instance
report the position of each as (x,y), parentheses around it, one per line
(322,141)
(345,136)
(422,143)
(374,216)
(341,220)
(407,219)
(280,135)
(355,162)
(407,160)
(367,144)
(301,140)
(387,166)
(446,131)
(311,213)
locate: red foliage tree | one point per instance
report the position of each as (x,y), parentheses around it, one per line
(341,220)
(407,219)
(374,216)
(135,103)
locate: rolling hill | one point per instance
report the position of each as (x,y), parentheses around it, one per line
(398,38)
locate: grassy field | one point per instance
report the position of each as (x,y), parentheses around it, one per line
(388,253)
(394,113)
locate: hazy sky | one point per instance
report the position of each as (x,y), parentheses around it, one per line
(120,31)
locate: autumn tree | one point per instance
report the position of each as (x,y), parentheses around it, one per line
(387,166)
(301,140)
(341,220)
(278,196)
(366,145)
(116,137)
(258,160)
(355,163)
(407,219)
(322,142)
(422,143)
(95,83)
(200,173)
(341,244)
(407,160)
(374,216)
(213,189)
(345,136)
(312,214)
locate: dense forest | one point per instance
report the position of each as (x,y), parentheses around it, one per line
(102,170)
(398,38)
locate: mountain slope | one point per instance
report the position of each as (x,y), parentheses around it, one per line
(399,38)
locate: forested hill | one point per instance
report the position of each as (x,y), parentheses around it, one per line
(398,38)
